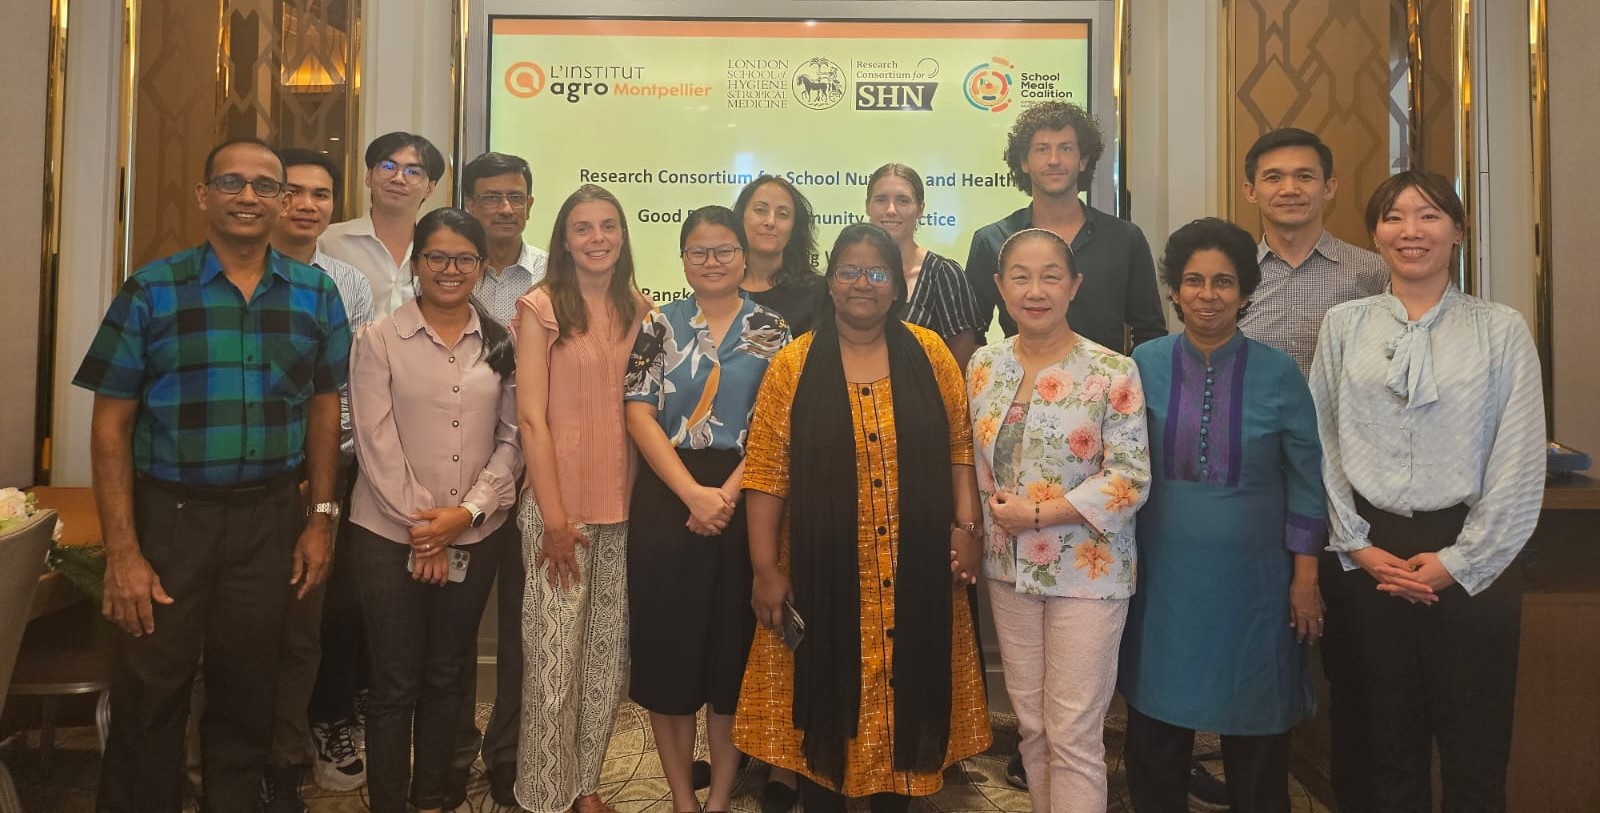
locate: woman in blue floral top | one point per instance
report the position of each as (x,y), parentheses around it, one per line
(1063,466)
(691,385)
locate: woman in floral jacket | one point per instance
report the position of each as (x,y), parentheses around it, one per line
(1063,466)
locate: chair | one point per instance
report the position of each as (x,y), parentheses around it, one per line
(22,561)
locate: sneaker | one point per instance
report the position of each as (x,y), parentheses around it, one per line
(280,790)
(336,759)
(1206,791)
(1016,774)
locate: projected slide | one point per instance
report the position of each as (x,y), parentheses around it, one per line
(671,115)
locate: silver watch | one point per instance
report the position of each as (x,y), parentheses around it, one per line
(329,508)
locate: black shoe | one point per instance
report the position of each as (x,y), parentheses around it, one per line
(280,790)
(700,774)
(777,797)
(1206,791)
(503,784)
(1016,774)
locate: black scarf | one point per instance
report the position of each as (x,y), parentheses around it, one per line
(825,571)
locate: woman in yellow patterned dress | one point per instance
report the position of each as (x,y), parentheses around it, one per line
(894,603)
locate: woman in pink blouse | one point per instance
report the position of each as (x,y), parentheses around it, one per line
(434,409)
(575,330)
(1063,465)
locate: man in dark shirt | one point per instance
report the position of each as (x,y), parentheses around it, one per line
(216,375)
(1052,151)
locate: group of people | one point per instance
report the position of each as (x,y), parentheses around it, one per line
(1339,446)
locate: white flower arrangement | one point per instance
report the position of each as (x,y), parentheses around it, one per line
(16,506)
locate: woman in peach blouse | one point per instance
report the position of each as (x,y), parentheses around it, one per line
(883,691)
(434,410)
(1063,465)
(575,330)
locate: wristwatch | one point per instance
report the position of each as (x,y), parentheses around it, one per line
(329,508)
(477,513)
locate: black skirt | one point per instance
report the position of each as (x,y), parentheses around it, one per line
(690,622)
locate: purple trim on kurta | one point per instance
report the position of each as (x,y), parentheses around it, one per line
(1186,402)
(1303,534)
(1235,405)
(1174,404)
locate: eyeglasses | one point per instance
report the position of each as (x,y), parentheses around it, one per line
(494,200)
(234,184)
(438,262)
(851,273)
(411,173)
(698,255)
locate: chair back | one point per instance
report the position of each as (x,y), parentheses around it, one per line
(22,560)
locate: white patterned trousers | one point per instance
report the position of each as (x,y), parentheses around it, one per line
(575,654)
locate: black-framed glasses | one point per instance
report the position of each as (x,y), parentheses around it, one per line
(438,262)
(699,256)
(412,173)
(851,273)
(494,200)
(234,184)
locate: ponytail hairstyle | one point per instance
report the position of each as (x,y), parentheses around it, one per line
(500,353)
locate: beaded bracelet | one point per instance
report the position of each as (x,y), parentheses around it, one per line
(1036,516)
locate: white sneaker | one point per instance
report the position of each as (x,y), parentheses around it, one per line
(336,762)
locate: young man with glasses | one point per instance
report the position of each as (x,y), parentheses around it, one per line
(402,169)
(216,374)
(321,661)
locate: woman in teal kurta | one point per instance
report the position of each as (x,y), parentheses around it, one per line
(1227,601)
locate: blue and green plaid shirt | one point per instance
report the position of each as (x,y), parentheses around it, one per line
(222,383)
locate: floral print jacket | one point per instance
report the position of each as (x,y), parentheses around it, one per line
(1084,439)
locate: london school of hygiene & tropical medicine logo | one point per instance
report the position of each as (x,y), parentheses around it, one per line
(988,85)
(818,83)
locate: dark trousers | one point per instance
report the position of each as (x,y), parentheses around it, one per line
(342,632)
(815,798)
(1444,674)
(226,564)
(418,638)
(1350,757)
(1157,756)
(498,741)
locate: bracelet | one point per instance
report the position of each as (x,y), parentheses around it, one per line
(1036,516)
(970,527)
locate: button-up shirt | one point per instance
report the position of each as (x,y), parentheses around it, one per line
(435,427)
(354,289)
(498,291)
(356,242)
(222,381)
(1424,414)
(1119,278)
(1287,307)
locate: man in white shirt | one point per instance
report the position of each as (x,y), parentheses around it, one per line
(402,169)
(317,683)
(498,190)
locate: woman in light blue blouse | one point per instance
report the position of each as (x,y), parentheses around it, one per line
(1432,421)
(691,384)
(1227,604)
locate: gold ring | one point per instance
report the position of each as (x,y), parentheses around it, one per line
(430,547)
(1319,619)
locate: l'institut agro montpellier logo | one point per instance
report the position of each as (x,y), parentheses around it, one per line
(988,86)
(577,82)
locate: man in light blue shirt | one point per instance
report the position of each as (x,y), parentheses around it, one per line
(498,190)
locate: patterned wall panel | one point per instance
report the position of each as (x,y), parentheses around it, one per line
(279,70)
(1322,65)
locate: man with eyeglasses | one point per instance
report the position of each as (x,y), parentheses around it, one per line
(321,660)
(498,190)
(402,169)
(216,374)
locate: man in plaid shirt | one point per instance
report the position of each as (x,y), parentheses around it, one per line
(216,374)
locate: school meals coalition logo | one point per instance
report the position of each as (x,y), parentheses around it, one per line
(988,86)
(524,80)
(818,83)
